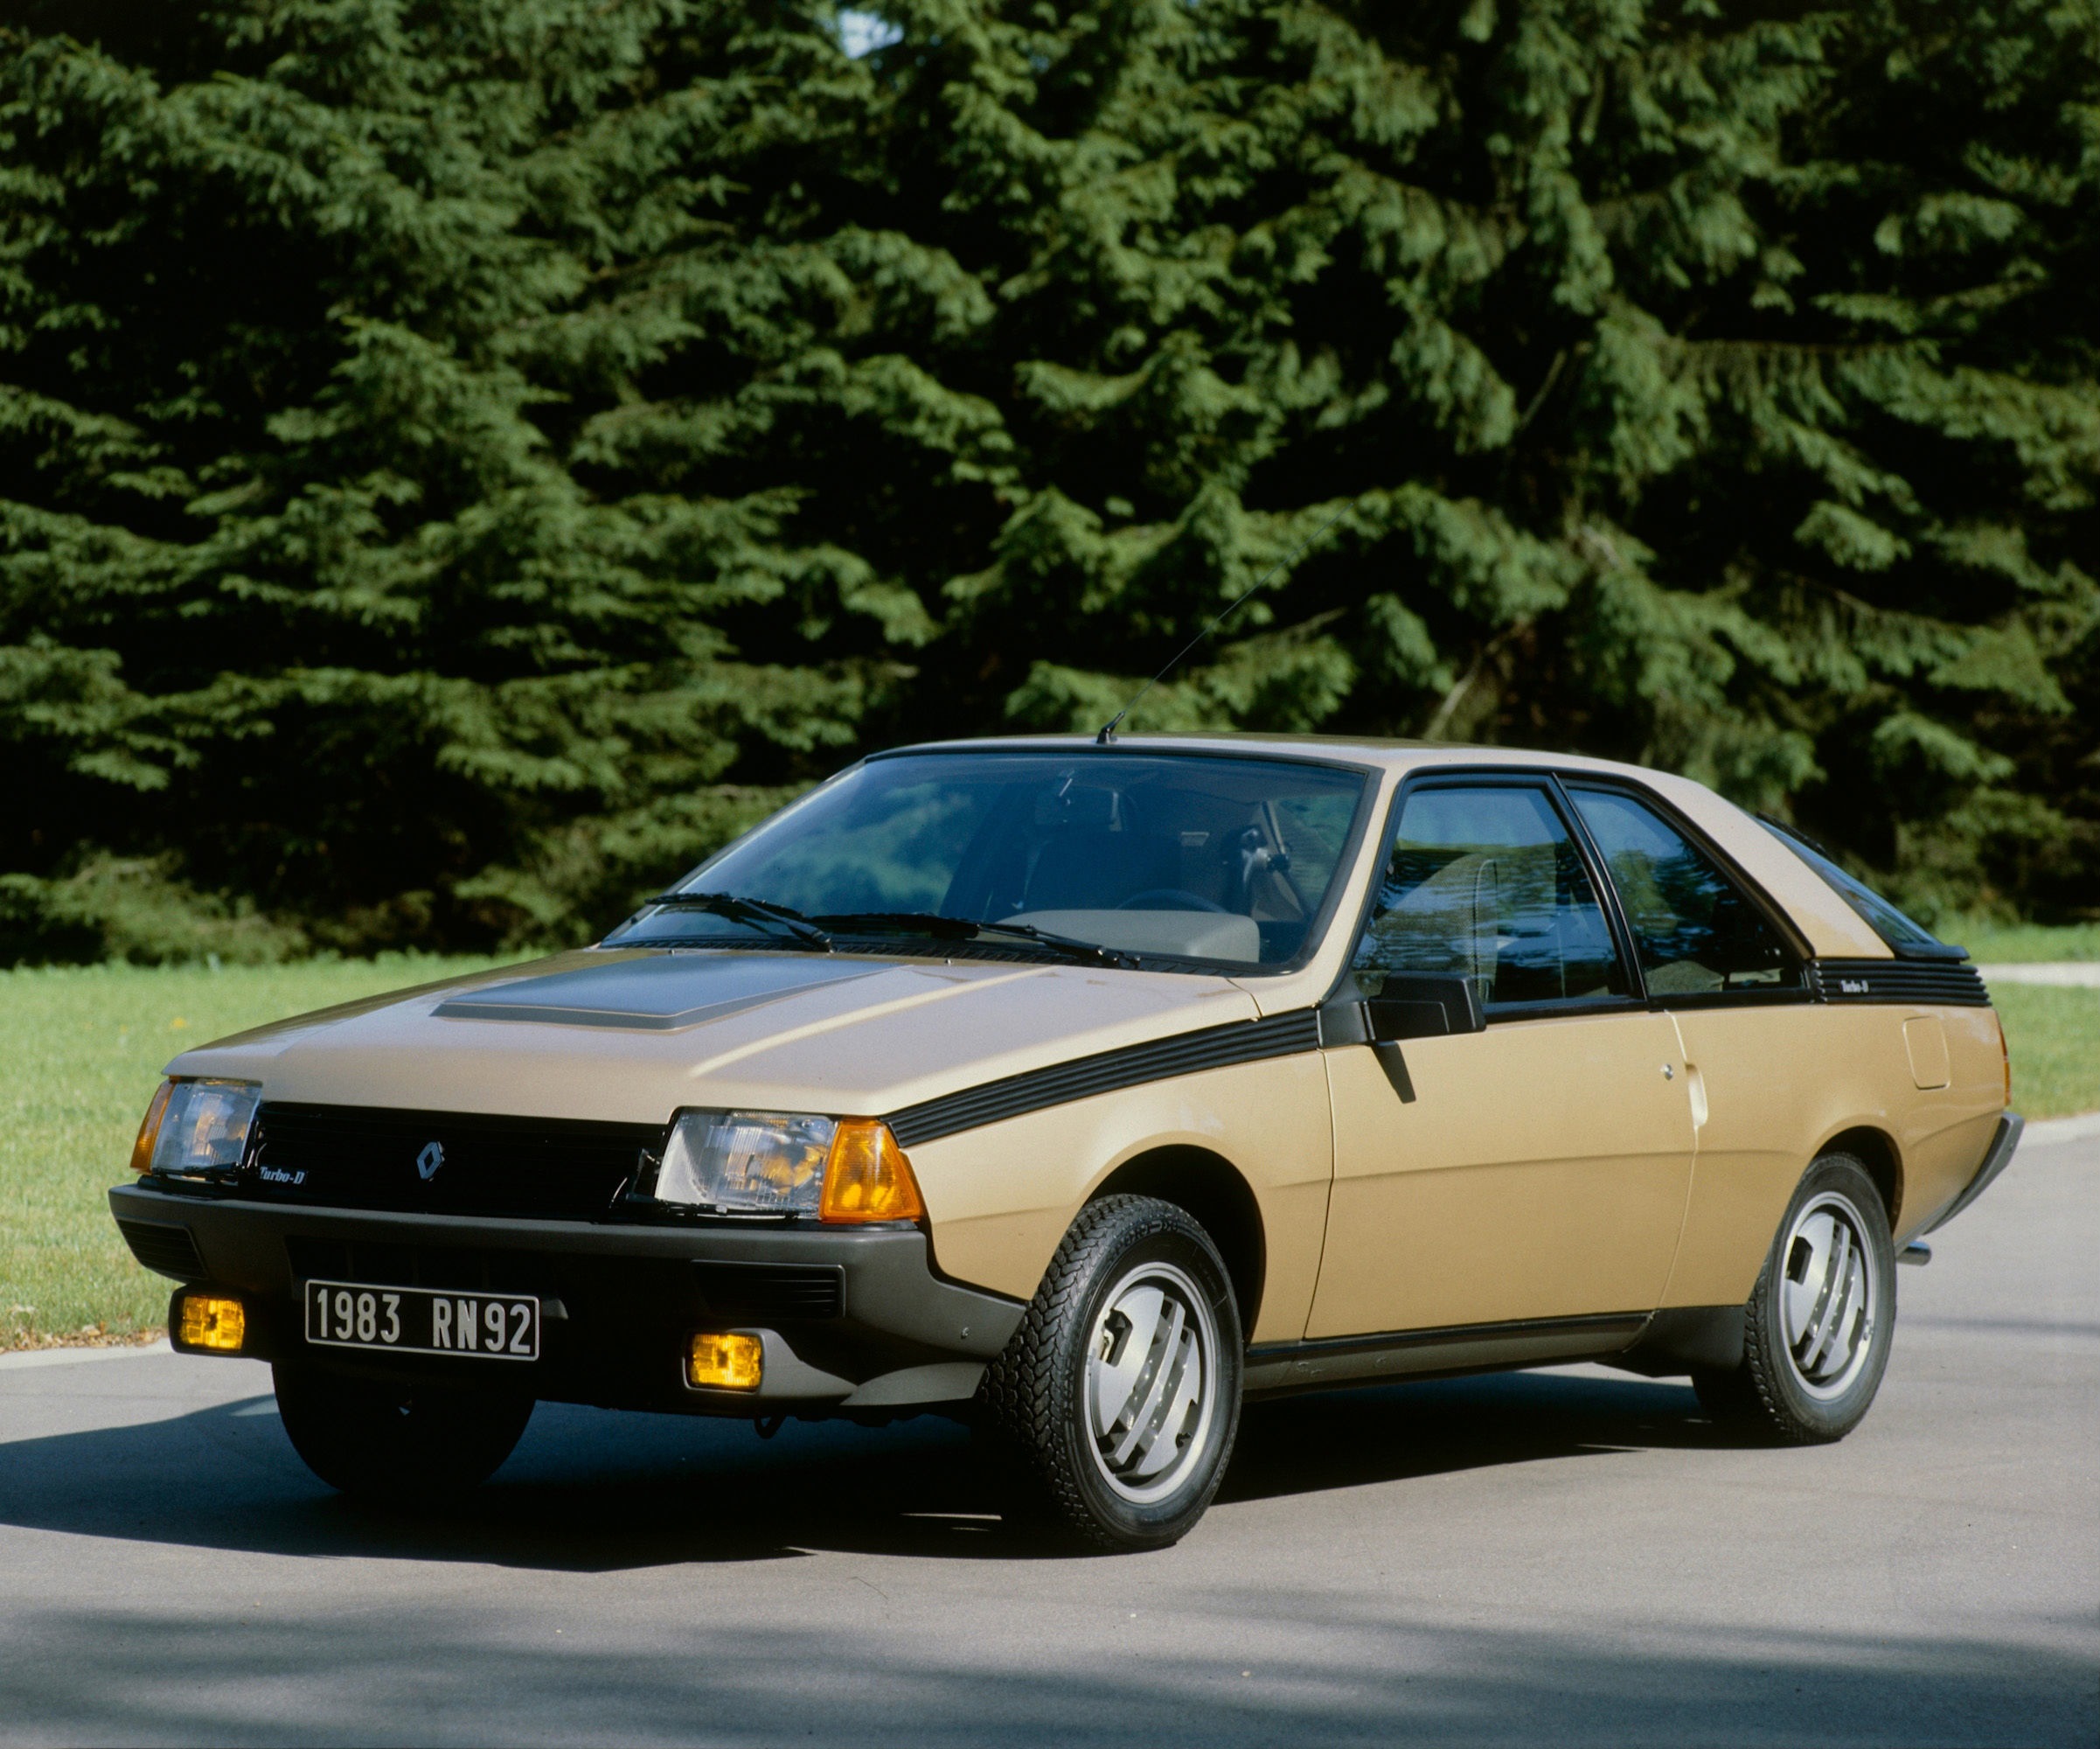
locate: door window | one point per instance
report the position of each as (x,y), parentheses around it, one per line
(1486,882)
(1696,932)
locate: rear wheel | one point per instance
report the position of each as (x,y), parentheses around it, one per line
(1819,1323)
(1118,1398)
(404,1444)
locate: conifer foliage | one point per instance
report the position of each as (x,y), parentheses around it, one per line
(459,462)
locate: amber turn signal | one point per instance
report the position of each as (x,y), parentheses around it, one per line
(148,1131)
(867,1178)
(732,1362)
(216,1322)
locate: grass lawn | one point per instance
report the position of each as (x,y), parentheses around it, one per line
(2054,1035)
(2005,943)
(84,1048)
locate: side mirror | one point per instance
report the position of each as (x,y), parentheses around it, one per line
(1425,1007)
(1408,1007)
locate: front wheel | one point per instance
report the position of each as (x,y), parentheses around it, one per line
(1820,1322)
(1119,1395)
(408,1445)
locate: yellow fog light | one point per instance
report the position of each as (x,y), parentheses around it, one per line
(734,1363)
(867,1178)
(216,1322)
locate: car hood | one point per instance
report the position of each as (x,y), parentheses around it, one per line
(631,1036)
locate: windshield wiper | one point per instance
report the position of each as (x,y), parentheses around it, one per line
(1065,944)
(740,909)
(961,928)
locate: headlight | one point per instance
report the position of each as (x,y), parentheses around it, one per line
(788,1163)
(746,1162)
(196,1127)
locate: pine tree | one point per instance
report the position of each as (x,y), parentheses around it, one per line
(409,419)
(458,463)
(1710,387)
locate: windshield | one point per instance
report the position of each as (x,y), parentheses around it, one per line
(1173,856)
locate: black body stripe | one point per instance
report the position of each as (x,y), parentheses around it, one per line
(1951,984)
(1185,1054)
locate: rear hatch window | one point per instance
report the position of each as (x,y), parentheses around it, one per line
(1906,938)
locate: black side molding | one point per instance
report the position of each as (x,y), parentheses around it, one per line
(1408,1007)
(1453,1348)
(1996,1157)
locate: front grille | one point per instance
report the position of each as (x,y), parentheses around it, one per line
(443,1162)
(765,1292)
(164,1250)
(390,1265)
(1939,983)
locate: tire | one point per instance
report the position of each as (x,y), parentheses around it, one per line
(407,1445)
(1820,1321)
(1117,1401)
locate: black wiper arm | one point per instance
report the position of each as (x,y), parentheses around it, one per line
(1067,944)
(961,928)
(743,911)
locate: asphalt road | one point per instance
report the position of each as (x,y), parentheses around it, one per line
(1572,1556)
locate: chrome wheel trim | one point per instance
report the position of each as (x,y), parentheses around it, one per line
(1151,1383)
(1829,1298)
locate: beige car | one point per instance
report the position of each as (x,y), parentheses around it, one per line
(1085,1090)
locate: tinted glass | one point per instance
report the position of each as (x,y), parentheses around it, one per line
(1695,931)
(1183,856)
(1883,917)
(1486,883)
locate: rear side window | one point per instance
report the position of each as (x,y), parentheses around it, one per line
(1486,882)
(1695,930)
(1898,931)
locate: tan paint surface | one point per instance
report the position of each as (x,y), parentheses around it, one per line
(1541,1171)
(907,1031)
(1780,1083)
(1001,1197)
(1946,1131)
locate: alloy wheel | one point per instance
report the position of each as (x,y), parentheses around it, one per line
(1829,1299)
(1150,1390)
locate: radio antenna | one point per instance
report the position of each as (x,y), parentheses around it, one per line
(1108,730)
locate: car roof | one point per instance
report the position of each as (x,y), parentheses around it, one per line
(1391,754)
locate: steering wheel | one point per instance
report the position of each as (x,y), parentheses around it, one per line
(1170,899)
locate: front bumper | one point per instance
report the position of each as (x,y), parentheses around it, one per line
(854,1320)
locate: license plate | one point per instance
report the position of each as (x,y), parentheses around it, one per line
(423,1320)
